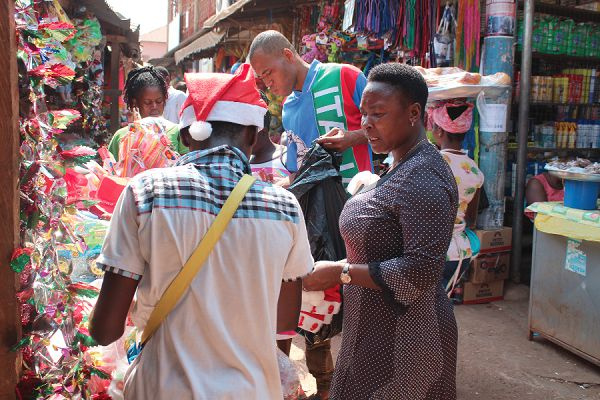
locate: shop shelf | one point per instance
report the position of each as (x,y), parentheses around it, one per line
(560,58)
(576,14)
(555,150)
(551,104)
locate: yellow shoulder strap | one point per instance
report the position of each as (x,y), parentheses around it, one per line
(198,258)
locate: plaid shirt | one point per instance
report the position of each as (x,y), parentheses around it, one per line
(204,181)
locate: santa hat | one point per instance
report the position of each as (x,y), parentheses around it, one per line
(221,97)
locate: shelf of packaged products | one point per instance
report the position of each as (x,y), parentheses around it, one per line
(557,150)
(543,104)
(576,14)
(560,58)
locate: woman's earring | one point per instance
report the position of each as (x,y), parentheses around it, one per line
(412,123)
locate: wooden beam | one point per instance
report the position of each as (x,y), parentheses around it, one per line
(115,51)
(10,324)
(115,39)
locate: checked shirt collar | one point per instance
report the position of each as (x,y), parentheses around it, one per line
(224,156)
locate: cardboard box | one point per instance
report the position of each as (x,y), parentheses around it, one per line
(494,241)
(490,268)
(478,293)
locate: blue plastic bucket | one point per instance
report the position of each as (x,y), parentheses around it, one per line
(581,195)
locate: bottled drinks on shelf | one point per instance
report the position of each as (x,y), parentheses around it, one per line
(580,134)
(555,35)
(571,86)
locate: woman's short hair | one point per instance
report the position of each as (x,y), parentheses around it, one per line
(404,78)
(141,78)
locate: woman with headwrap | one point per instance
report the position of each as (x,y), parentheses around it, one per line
(450,122)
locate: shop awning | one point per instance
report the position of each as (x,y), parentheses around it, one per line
(229,11)
(205,42)
(107,15)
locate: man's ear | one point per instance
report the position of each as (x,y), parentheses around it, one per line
(252,135)
(250,138)
(288,54)
(184,133)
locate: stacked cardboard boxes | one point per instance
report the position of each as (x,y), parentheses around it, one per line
(490,268)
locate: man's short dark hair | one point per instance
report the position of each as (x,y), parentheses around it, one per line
(271,42)
(228,131)
(405,79)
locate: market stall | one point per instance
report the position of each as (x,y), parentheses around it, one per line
(555,101)
(59,66)
(566,255)
(565,279)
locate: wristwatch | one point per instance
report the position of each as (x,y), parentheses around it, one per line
(345,275)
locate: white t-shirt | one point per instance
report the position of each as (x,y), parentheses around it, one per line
(219,341)
(174,103)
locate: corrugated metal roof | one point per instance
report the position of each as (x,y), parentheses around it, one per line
(204,42)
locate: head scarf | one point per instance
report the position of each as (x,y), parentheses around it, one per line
(439,116)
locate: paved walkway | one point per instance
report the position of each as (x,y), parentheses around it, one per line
(496,361)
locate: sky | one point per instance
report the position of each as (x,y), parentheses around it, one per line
(149,14)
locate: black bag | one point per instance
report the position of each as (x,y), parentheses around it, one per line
(319,190)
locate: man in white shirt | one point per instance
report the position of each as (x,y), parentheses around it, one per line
(175,99)
(219,340)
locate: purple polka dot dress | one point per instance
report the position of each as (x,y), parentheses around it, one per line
(400,343)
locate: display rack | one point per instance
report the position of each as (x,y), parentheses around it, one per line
(545,62)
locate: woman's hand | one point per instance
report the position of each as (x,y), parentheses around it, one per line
(325,275)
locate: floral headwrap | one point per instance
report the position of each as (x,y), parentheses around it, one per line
(438,115)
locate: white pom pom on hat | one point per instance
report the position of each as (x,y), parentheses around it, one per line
(200,130)
(221,97)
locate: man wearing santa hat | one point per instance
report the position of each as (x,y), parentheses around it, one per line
(218,342)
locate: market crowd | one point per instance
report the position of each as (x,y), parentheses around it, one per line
(215,258)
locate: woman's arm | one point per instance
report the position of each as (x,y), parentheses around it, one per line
(427,220)
(328,274)
(471,213)
(534,192)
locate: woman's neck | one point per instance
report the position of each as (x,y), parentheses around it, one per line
(453,147)
(401,152)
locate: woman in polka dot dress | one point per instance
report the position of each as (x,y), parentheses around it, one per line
(399,334)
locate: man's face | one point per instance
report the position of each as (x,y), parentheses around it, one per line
(275,70)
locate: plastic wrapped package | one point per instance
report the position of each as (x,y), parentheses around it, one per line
(145,146)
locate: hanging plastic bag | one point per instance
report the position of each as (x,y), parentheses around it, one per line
(319,190)
(290,381)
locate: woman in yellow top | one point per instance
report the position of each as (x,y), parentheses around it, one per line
(450,122)
(146,92)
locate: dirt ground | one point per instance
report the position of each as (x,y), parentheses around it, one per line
(496,361)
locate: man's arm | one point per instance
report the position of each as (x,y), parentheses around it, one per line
(120,251)
(288,307)
(340,140)
(107,321)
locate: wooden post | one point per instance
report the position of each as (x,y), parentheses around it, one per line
(115,56)
(10,326)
